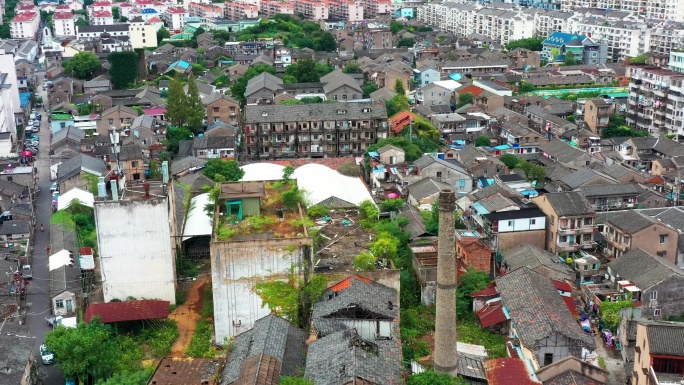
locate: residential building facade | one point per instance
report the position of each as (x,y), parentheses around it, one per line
(570,221)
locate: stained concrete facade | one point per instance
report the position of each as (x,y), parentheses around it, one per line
(134,243)
(236,266)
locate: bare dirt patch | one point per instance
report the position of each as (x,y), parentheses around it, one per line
(187,314)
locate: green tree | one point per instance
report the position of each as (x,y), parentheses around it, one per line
(175,135)
(222,80)
(368,88)
(238,89)
(399,87)
(395,27)
(431,377)
(194,109)
(5,32)
(385,245)
(411,150)
(198,69)
(128,378)
(509,160)
(116,13)
(154,172)
(611,312)
(570,59)
(287,173)
(224,170)
(82,65)
(139,110)
(406,42)
(324,41)
(304,70)
(397,104)
(162,34)
(469,282)
(533,44)
(81,22)
(353,68)
(90,349)
(641,59)
(483,140)
(290,380)
(364,262)
(464,98)
(392,204)
(124,68)
(175,104)
(533,172)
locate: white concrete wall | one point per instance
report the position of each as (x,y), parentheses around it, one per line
(134,243)
(522,224)
(236,267)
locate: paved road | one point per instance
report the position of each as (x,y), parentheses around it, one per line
(39,288)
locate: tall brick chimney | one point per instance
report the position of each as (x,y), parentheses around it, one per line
(445,358)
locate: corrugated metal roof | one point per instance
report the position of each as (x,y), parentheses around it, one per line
(128,311)
(506,371)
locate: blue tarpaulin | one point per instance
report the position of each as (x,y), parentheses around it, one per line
(502,147)
(373,154)
(24,98)
(480,209)
(529,192)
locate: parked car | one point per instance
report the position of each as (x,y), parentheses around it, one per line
(54,188)
(46,355)
(54,321)
(27,272)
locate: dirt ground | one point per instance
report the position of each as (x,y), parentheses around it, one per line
(187,314)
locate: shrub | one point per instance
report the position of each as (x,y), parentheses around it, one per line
(292,197)
(258,222)
(318,211)
(392,204)
(200,345)
(364,262)
(349,169)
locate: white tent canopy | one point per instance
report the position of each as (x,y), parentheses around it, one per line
(59,259)
(321,182)
(262,172)
(75,194)
(197,222)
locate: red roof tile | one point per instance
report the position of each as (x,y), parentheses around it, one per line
(154,20)
(26,16)
(347,282)
(63,16)
(562,286)
(491,314)
(570,303)
(486,292)
(102,14)
(472,89)
(401,120)
(85,251)
(508,371)
(176,10)
(332,163)
(128,311)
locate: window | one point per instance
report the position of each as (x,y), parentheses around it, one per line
(439,174)
(510,223)
(586,267)
(563,238)
(533,221)
(461,182)
(656,312)
(548,358)
(654,295)
(587,221)
(661,254)
(111,122)
(59,304)
(663,238)
(134,163)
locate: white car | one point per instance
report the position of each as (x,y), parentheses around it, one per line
(47,356)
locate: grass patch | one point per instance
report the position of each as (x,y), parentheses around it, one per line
(469,331)
(200,345)
(159,337)
(208,304)
(180,298)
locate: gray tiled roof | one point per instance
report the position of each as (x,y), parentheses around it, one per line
(18,345)
(569,203)
(196,181)
(426,187)
(602,190)
(496,202)
(309,112)
(644,269)
(69,133)
(666,339)
(341,357)
(337,79)
(539,260)
(65,278)
(263,80)
(180,196)
(271,336)
(497,187)
(580,177)
(370,297)
(388,147)
(62,238)
(561,150)
(426,160)
(629,221)
(15,227)
(183,164)
(74,166)
(571,377)
(537,309)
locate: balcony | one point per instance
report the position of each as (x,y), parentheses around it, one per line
(566,246)
(587,229)
(661,378)
(565,230)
